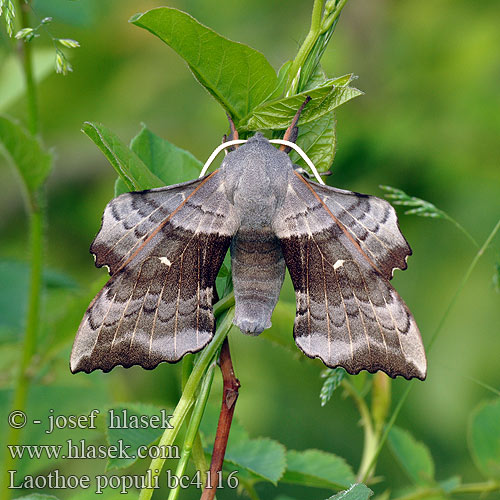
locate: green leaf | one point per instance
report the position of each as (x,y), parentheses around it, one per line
(168,162)
(355,492)
(333,378)
(15,274)
(38,496)
(319,141)
(318,469)
(13,297)
(127,164)
(414,456)
(27,154)
(171,164)
(278,114)
(496,276)
(131,436)
(263,457)
(448,485)
(484,438)
(282,79)
(108,494)
(12,81)
(224,282)
(237,76)
(65,399)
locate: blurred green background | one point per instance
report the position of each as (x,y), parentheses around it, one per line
(429,124)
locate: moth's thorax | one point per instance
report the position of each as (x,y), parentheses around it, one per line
(255,175)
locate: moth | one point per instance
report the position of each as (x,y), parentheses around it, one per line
(164,247)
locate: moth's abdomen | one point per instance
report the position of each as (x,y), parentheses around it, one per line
(258,270)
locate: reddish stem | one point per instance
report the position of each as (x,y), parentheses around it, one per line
(229,396)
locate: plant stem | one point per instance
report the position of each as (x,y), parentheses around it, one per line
(370,438)
(23,378)
(225,303)
(27,60)
(197,449)
(36,226)
(230,389)
(193,427)
(431,343)
(460,228)
(188,397)
(307,45)
(199,459)
(24,374)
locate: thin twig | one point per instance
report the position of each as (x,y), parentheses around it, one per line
(231,386)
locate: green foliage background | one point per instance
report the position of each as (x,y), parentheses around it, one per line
(429,124)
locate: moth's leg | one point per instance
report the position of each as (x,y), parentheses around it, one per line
(258,269)
(307,175)
(292,131)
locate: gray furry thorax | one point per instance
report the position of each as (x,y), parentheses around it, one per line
(256,176)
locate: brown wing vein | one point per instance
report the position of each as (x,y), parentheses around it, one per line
(104,319)
(396,329)
(323,260)
(177,303)
(156,312)
(120,322)
(361,316)
(368,230)
(164,222)
(307,295)
(344,229)
(326,301)
(198,266)
(374,312)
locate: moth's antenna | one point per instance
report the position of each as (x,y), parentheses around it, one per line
(292,131)
(217,150)
(292,145)
(233,135)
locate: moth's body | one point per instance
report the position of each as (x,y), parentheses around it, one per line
(256,178)
(165,246)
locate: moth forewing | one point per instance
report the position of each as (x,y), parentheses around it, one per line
(150,311)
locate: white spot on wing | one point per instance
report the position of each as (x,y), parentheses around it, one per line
(165,261)
(338,264)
